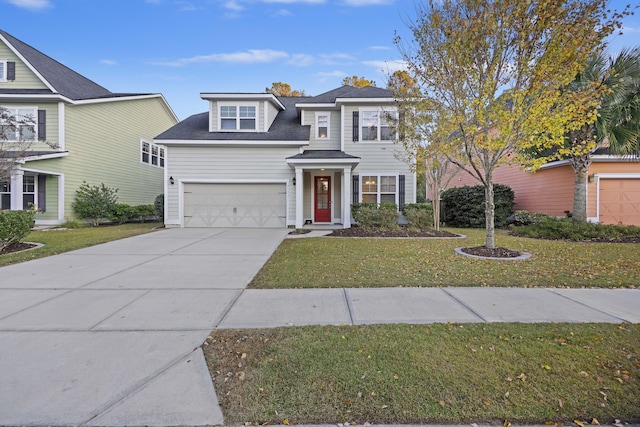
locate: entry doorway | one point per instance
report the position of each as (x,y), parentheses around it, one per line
(322,199)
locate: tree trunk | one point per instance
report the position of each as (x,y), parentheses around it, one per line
(580,167)
(436,213)
(489,213)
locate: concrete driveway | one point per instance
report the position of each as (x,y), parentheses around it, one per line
(110,335)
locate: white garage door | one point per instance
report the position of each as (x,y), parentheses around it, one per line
(235,205)
(620,201)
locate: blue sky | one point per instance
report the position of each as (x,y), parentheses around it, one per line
(181,48)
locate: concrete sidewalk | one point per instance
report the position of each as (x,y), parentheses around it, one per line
(110,335)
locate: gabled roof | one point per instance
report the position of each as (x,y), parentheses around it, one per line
(59,78)
(349,92)
(285,127)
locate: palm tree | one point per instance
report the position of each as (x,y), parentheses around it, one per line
(617,125)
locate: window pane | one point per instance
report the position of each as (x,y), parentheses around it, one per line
(2,67)
(8,133)
(28,184)
(145,147)
(387,198)
(248,111)
(388,184)
(28,200)
(369,125)
(227,111)
(27,133)
(369,198)
(247,123)
(369,184)
(387,134)
(5,187)
(145,157)
(6,201)
(228,123)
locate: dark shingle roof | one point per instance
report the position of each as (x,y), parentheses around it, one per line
(64,80)
(323,155)
(286,127)
(350,92)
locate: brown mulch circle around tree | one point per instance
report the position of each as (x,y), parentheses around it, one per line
(483,251)
(384,232)
(17,247)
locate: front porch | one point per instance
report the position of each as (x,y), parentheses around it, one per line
(322,185)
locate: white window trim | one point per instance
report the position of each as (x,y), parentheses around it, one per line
(161,149)
(238,104)
(377,110)
(3,74)
(317,117)
(378,193)
(35,120)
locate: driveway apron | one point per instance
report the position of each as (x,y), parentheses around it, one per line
(111,334)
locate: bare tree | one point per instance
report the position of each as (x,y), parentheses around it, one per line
(17,136)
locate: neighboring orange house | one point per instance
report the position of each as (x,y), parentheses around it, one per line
(613,188)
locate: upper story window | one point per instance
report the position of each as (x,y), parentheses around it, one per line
(3,70)
(375,126)
(152,154)
(323,121)
(238,117)
(19,123)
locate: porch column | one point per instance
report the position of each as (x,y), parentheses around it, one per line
(346,198)
(299,198)
(16,190)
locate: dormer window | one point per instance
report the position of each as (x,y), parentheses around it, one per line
(322,125)
(238,117)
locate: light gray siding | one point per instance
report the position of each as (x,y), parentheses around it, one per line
(333,143)
(227,164)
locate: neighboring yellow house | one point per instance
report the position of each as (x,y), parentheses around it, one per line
(80,131)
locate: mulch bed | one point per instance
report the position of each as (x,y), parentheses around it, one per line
(17,247)
(383,232)
(491,253)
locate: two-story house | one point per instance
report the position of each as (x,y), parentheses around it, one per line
(74,130)
(258,160)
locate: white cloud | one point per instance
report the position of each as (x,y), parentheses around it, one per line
(386,66)
(251,56)
(31,4)
(301,60)
(379,48)
(233,5)
(336,73)
(282,12)
(367,2)
(630,30)
(108,62)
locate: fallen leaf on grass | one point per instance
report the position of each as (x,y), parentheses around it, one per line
(522,377)
(286,422)
(580,423)
(560,403)
(594,422)
(506,423)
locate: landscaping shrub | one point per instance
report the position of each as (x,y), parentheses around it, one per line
(418,215)
(14,226)
(144,211)
(523,217)
(122,213)
(372,215)
(464,206)
(94,202)
(158,205)
(570,229)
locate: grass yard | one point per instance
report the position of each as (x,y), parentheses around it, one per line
(59,241)
(414,374)
(360,262)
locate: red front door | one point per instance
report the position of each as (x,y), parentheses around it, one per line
(322,203)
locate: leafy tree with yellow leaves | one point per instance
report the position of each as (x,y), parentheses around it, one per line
(356,81)
(284,89)
(489,74)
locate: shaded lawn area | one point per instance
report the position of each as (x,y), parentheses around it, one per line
(361,262)
(59,241)
(413,374)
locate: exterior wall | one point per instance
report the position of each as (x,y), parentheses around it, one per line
(333,143)
(260,113)
(547,190)
(378,157)
(227,164)
(52,136)
(272,112)
(103,142)
(25,78)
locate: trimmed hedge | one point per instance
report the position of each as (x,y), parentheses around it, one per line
(546,227)
(384,215)
(14,226)
(418,215)
(464,206)
(158,205)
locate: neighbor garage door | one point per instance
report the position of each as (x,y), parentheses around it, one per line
(620,201)
(234,205)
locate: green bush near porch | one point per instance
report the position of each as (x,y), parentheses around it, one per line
(15,226)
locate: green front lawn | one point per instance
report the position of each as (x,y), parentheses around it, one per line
(360,262)
(416,374)
(59,241)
